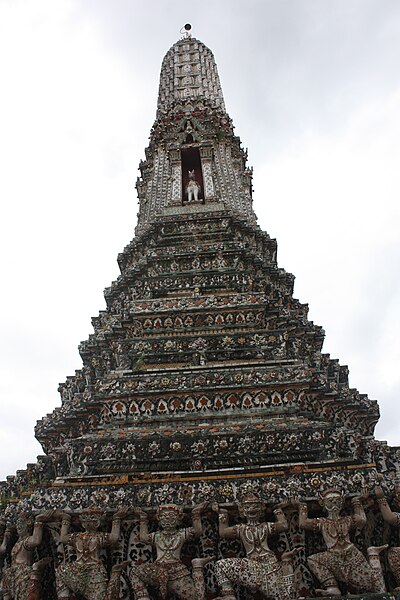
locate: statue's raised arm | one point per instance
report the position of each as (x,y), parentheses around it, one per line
(260,570)
(167,572)
(393,518)
(86,575)
(21,580)
(342,561)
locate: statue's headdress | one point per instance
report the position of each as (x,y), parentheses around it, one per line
(25,517)
(248,489)
(170,507)
(247,498)
(250,498)
(332,490)
(91,513)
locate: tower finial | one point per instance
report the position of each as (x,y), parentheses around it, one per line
(185,31)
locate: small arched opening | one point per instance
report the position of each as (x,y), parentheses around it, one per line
(191,161)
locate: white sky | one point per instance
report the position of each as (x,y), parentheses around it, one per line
(313,87)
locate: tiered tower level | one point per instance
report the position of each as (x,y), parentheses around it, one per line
(203,376)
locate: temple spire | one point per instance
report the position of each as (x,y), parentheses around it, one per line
(189,71)
(192,143)
(203,386)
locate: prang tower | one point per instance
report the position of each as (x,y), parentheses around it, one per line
(204,376)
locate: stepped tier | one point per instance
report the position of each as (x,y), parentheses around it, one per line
(202,355)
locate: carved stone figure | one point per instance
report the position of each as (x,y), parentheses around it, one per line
(168,572)
(393,518)
(21,581)
(122,358)
(5,536)
(342,561)
(260,570)
(87,576)
(192,188)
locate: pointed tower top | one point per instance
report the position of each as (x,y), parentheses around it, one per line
(189,71)
(194,161)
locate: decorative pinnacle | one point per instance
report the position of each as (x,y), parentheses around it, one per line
(188,72)
(185,31)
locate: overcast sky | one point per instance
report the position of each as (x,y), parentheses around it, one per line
(313,87)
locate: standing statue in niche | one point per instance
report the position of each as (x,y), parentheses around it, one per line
(192,188)
(260,570)
(342,561)
(167,572)
(393,518)
(87,576)
(122,359)
(21,581)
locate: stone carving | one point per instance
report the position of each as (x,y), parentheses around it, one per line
(393,518)
(5,536)
(342,561)
(167,572)
(149,494)
(122,359)
(192,188)
(202,364)
(260,570)
(21,581)
(87,576)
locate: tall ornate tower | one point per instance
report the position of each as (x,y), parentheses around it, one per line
(203,377)
(192,132)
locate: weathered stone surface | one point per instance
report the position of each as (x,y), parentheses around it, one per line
(203,380)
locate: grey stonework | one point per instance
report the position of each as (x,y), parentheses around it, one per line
(204,379)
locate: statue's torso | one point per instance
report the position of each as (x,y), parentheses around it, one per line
(21,554)
(88,546)
(336,532)
(169,545)
(255,539)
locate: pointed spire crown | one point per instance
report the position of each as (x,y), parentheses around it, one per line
(194,161)
(189,71)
